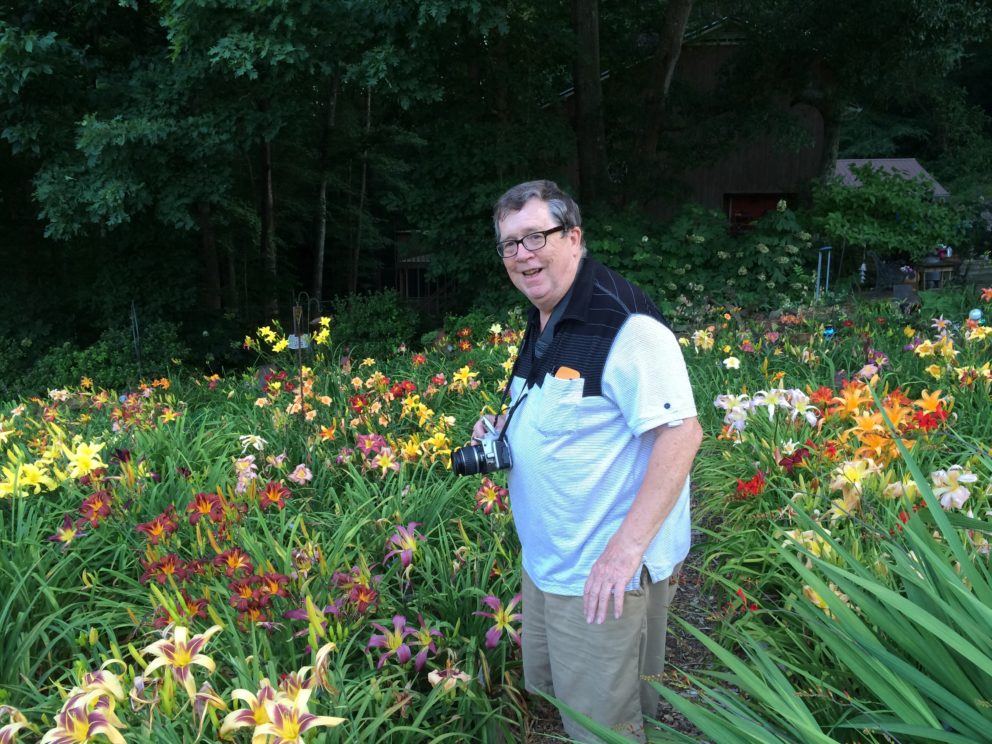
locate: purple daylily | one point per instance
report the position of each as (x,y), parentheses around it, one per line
(424,637)
(404,542)
(394,641)
(503,618)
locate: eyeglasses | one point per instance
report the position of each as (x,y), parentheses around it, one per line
(533,242)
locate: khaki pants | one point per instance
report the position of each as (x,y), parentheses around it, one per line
(603,670)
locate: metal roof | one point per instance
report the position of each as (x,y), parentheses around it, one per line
(905,167)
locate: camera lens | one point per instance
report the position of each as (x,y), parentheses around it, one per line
(465,461)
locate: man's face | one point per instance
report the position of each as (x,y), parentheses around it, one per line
(544,276)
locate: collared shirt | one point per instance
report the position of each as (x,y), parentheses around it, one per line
(581,444)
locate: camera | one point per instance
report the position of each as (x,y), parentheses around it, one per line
(492,453)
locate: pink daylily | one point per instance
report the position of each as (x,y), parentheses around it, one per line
(301,475)
(81,724)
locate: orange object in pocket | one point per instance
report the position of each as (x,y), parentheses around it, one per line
(567,373)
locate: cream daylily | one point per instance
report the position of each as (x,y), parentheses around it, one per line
(949,486)
(180,653)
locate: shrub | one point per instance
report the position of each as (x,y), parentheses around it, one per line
(110,362)
(372,324)
(694,262)
(892,215)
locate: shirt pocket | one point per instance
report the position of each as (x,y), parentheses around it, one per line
(559,410)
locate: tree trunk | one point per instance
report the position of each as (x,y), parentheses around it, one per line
(831,140)
(661,71)
(231,299)
(268,232)
(357,248)
(589,129)
(209,285)
(321,231)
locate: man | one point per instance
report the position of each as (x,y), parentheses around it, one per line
(602,430)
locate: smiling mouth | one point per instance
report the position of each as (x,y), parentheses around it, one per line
(531,272)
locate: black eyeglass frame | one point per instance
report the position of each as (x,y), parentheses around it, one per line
(501,245)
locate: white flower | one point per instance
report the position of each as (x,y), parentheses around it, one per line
(252,440)
(728,401)
(949,486)
(732,362)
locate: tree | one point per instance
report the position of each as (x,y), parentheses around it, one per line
(847,53)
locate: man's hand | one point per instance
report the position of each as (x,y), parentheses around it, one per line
(671,457)
(480,430)
(609,577)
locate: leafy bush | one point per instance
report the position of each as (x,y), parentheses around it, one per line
(372,324)
(694,262)
(110,362)
(892,215)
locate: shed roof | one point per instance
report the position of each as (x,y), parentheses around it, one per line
(905,167)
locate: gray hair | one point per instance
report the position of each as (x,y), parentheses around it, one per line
(564,210)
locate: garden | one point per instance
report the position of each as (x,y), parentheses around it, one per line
(282,554)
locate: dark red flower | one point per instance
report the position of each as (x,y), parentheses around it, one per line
(207,505)
(233,561)
(96,507)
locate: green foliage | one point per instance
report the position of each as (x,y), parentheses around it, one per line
(111,361)
(694,263)
(894,216)
(373,324)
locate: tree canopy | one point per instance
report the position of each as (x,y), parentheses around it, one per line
(208,159)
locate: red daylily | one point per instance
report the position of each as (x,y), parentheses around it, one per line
(274,494)
(160,527)
(234,560)
(490,496)
(161,570)
(96,507)
(207,505)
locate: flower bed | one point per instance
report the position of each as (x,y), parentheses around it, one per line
(287,552)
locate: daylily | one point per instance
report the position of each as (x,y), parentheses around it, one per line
(288,723)
(274,494)
(321,666)
(949,486)
(254,715)
(17,721)
(252,440)
(234,560)
(80,724)
(26,475)
(732,362)
(770,399)
(503,618)
(67,532)
(448,678)
(384,461)
(301,475)
(405,542)
(729,401)
(179,653)
(394,641)
(84,459)
(424,637)
(490,496)
(207,505)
